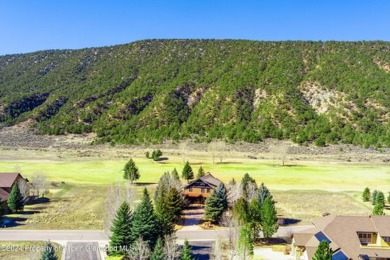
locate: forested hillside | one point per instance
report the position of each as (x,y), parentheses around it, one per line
(150,91)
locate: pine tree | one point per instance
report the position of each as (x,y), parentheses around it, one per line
(158,252)
(241,211)
(15,199)
(131,171)
(49,252)
(175,174)
(373,197)
(186,253)
(174,203)
(201,172)
(269,219)
(378,209)
(145,224)
(366,194)
(323,252)
(121,237)
(246,182)
(187,172)
(168,210)
(380,198)
(216,204)
(262,193)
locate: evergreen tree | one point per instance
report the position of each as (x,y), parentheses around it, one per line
(241,211)
(216,204)
(378,209)
(269,219)
(147,155)
(247,181)
(366,194)
(15,199)
(156,154)
(121,237)
(187,172)
(158,252)
(165,215)
(201,172)
(255,218)
(175,174)
(380,198)
(388,198)
(131,171)
(186,253)
(324,252)
(49,252)
(373,197)
(262,193)
(145,224)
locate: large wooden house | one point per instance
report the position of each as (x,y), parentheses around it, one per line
(197,191)
(7,181)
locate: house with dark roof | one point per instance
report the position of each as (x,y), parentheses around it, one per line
(350,237)
(7,181)
(197,191)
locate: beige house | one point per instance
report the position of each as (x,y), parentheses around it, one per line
(350,237)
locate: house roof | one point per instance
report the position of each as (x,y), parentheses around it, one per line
(3,195)
(343,231)
(382,224)
(7,179)
(208,179)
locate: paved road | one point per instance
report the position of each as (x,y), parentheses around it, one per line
(62,236)
(82,251)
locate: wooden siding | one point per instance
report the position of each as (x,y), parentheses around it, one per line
(196,192)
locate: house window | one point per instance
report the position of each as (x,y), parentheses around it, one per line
(190,189)
(202,190)
(386,239)
(208,190)
(365,238)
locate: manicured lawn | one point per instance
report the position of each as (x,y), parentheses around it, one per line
(301,176)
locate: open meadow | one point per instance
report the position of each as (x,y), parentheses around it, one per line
(303,189)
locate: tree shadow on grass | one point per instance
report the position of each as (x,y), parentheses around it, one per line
(288,221)
(144,183)
(37,200)
(8,222)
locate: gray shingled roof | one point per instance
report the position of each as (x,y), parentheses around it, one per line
(209,179)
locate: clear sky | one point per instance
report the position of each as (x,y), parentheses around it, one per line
(28,25)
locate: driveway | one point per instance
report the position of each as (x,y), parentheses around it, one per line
(268,254)
(192,217)
(82,251)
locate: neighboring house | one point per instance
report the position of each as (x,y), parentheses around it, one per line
(350,237)
(197,191)
(7,180)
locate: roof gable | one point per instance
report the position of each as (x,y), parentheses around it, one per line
(7,179)
(207,181)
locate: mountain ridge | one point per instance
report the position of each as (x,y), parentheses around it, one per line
(154,90)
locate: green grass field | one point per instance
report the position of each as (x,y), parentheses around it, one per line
(303,190)
(303,176)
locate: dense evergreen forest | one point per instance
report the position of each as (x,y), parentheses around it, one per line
(156,90)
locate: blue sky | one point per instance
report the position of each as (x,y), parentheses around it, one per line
(29,25)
